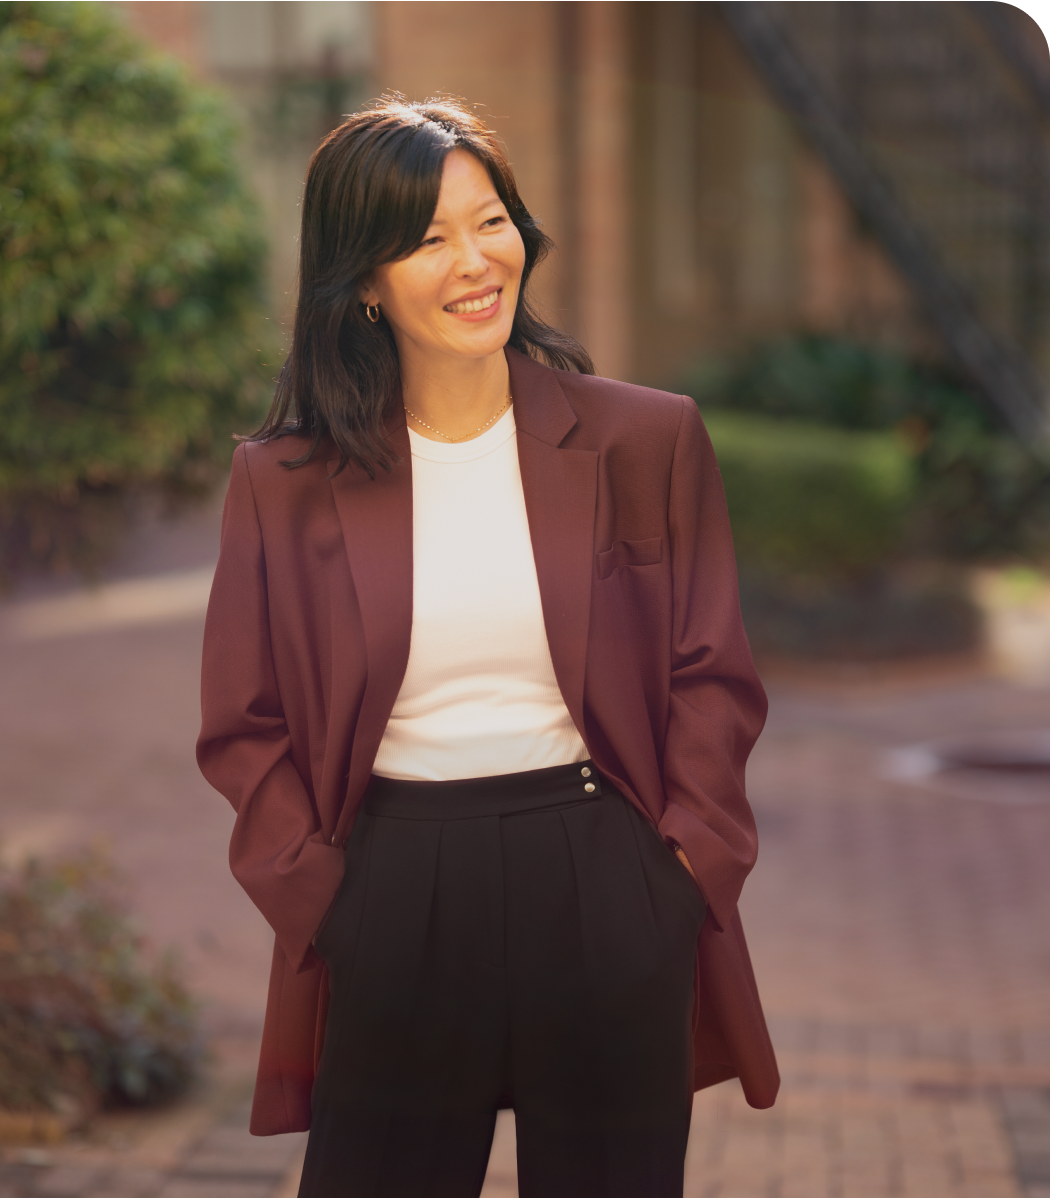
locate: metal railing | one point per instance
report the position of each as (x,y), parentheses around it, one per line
(943,148)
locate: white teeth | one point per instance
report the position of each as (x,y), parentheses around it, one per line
(478,305)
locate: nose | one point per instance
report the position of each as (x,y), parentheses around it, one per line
(470,261)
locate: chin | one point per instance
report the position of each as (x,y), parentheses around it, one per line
(482,345)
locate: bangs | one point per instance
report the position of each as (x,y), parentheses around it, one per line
(401,182)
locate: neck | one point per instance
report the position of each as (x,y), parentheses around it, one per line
(454,394)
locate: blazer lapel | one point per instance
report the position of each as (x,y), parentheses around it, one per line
(376,519)
(561,489)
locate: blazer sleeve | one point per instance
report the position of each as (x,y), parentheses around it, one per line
(717,704)
(278,851)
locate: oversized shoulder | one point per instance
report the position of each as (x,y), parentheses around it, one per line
(614,417)
(614,407)
(591,412)
(260,463)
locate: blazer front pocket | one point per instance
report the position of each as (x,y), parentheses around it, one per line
(649,552)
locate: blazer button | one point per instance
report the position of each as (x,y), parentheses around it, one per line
(586,771)
(589,788)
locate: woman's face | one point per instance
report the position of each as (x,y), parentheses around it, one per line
(457,293)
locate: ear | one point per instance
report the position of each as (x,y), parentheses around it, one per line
(367,294)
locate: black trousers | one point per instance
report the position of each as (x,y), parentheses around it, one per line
(510,941)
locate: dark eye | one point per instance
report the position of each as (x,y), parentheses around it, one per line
(495,220)
(430,241)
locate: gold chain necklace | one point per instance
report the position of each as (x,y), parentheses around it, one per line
(465,436)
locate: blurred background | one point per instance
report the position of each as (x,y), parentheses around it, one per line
(830,225)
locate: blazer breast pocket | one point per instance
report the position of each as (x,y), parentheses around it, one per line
(649,552)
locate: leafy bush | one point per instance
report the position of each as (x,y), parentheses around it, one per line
(979,492)
(81,1015)
(810,501)
(820,517)
(825,380)
(130,279)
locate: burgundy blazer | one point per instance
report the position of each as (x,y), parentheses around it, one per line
(307,640)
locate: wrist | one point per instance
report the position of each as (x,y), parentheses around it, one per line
(680,853)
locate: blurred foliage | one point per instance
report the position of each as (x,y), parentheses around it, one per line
(903,612)
(818,503)
(979,493)
(817,512)
(131,280)
(82,1017)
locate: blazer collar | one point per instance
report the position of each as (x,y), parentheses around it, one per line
(540,406)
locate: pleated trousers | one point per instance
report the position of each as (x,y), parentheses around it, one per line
(515,941)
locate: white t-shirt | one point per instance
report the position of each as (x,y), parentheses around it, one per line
(479,696)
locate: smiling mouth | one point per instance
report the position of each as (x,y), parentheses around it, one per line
(476,305)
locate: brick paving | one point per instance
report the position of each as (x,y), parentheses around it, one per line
(223,1162)
(901,937)
(900,930)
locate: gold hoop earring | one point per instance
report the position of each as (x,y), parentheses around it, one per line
(369,309)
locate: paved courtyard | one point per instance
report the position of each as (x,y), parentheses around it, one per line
(900,926)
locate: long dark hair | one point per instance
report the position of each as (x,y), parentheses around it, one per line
(371,191)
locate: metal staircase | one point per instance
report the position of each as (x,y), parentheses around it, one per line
(938,129)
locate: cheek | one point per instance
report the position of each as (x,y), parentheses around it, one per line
(410,292)
(510,258)
(516,257)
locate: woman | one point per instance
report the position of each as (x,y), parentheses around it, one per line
(476,684)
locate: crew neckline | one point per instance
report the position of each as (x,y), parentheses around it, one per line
(464,451)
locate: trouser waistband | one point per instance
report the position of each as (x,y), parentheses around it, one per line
(472,798)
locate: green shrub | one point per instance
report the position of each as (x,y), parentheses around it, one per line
(809,501)
(825,380)
(131,269)
(979,493)
(81,1015)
